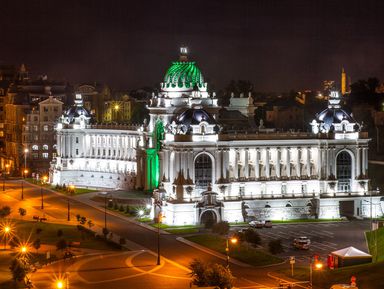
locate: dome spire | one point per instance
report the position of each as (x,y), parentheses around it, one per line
(183,54)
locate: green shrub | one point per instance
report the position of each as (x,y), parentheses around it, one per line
(121,208)
(221,228)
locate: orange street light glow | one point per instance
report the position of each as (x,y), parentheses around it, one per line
(7,229)
(23,249)
(319,265)
(59,284)
(233,240)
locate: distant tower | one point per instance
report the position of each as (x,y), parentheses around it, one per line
(343,81)
(183,54)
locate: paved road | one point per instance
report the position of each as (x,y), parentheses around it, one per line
(55,206)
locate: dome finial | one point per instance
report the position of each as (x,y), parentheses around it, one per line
(183,53)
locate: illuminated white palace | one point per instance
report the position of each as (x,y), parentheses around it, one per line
(201,172)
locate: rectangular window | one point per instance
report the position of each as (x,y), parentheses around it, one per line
(45,128)
(77,139)
(77,152)
(45,155)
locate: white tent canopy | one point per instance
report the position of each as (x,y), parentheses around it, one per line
(351,252)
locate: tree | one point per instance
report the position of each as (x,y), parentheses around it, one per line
(221,228)
(5,211)
(218,275)
(18,269)
(251,236)
(275,246)
(22,212)
(204,274)
(36,244)
(198,269)
(90,224)
(61,244)
(83,220)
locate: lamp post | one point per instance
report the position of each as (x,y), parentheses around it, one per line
(157,203)
(71,191)
(233,241)
(45,178)
(6,232)
(314,262)
(61,284)
(105,211)
(24,172)
(4,175)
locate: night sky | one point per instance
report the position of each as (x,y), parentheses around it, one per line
(277,45)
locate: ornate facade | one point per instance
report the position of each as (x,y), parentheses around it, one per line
(201,172)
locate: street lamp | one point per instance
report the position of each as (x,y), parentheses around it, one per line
(6,232)
(157,203)
(71,191)
(25,172)
(5,173)
(45,178)
(233,240)
(105,210)
(316,264)
(61,284)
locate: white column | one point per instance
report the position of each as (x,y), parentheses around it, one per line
(278,157)
(218,154)
(298,162)
(358,162)
(246,163)
(267,159)
(236,165)
(308,161)
(257,163)
(288,166)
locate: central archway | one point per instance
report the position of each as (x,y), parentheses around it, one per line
(203,171)
(344,171)
(208,218)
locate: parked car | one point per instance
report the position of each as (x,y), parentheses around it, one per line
(268,224)
(302,243)
(256,224)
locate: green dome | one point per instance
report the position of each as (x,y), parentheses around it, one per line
(183,74)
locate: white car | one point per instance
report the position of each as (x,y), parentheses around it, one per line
(302,243)
(256,224)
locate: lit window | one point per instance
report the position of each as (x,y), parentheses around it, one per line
(35,128)
(45,155)
(45,127)
(45,147)
(35,147)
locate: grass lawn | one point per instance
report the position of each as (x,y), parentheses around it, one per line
(369,276)
(26,231)
(376,244)
(246,254)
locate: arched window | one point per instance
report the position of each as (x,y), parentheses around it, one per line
(344,171)
(203,171)
(267,206)
(45,147)
(35,147)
